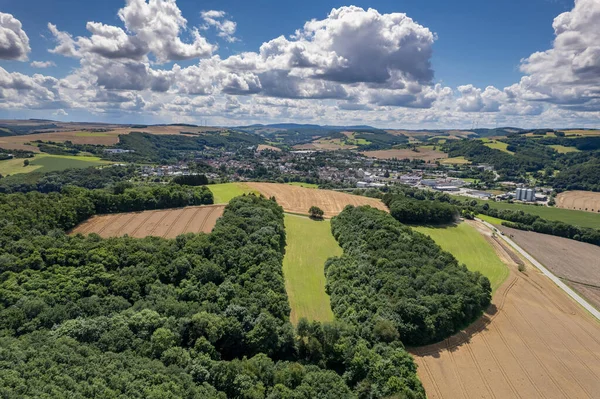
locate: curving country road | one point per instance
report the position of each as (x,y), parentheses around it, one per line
(547,272)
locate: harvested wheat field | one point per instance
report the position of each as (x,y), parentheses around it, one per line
(578,263)
(579,200)
(296,199)
(533,342)
(166,223)
(425,154)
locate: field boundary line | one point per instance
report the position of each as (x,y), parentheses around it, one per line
(549,274)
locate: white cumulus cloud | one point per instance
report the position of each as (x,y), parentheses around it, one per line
(14,42)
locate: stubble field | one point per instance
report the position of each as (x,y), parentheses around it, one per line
(296,199)
(167,223)
(579,200)
(533,342)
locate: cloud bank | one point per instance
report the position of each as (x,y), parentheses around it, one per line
(354,65)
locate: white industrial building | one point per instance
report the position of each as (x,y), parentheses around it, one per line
(525,194)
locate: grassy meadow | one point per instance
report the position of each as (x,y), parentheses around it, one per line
(471,248)
(48,163)
(305,185)
(309,244)
(225,192)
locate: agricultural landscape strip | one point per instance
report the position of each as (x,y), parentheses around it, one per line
(309,245)
(533,341)
(159,223)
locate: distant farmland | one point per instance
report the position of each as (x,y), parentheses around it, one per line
(579,200)
(425,154)
(168,223)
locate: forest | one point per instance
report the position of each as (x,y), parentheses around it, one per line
(200,316)
(90,178)
(408,210)
(394,284)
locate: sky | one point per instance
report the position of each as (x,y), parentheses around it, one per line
(392,64)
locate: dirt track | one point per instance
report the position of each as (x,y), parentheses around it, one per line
(533,342)
(168,223)
(579,200)
(299,199)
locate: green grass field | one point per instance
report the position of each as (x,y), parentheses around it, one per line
(309,244)
(469,247)
(455,161)
(225,192)
(490,219)
(48,163)
(578,218)
(564,150)
(498,145)
(305,185)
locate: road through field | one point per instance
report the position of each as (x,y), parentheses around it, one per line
(533,342)
(550,275)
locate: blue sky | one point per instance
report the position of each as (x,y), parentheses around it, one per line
(472,45)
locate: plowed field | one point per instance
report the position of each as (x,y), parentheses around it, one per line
(533,342)
(579,200)
(299,199)
(167,223)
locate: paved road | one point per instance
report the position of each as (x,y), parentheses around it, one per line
(548,273)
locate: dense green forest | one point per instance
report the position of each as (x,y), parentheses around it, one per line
(90,178)
(393,283)
(201,316)
(406,209)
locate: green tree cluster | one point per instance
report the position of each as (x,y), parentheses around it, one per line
(392,281)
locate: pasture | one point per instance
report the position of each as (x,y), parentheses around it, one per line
(48,163)
(309,245)
(165,223)
(469,247)
(225,192)
(579,200)
(561,149)
(498,145)
(298,200)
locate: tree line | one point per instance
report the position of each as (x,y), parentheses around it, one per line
(408,210)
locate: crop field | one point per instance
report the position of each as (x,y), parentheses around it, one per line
(325,144)
(582,132)
(48,163)
(579,218)
(223,193)
(533,342)
(299,199)
(455,161)
(471,248)
(309,244)
(564,150)
(166,223)
(579,200)
(305,185)
(89,134)
(424,153)
(264,147)
(576,262)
